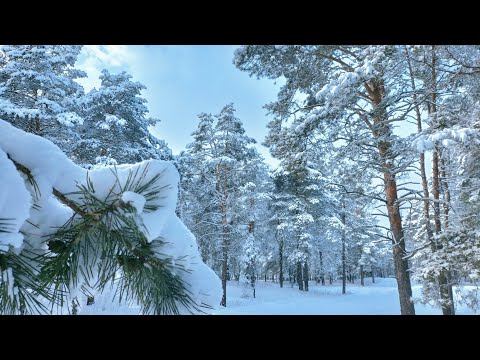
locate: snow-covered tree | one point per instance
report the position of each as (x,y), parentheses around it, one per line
(292,219)
(213,167)
(254,229)
(38,92)
(116,127)
(278,220)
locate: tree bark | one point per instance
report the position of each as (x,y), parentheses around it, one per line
(361,276)
(322,270)
(445,190)
(344,258)
(383,133)
(280,256)
(223,209)
(423,173)
(305,276)
(446,291)
(224,267)
(299,276)
(251,230)
(436,192)
(446,210)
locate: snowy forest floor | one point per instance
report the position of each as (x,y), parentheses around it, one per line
(380,298)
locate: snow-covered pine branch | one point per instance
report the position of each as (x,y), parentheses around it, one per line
(69,229)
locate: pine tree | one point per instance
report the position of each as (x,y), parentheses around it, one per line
(254,229)
(218,157)
(278,220)
(38,92)
(116,127)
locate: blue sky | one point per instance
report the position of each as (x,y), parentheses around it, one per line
(183,81)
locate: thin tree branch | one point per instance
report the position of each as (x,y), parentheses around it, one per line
(61,197)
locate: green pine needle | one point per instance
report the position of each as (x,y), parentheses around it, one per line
(21,293)
(109,245)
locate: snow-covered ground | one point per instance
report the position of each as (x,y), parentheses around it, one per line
(380,298)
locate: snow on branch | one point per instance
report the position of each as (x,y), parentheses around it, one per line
(127,211)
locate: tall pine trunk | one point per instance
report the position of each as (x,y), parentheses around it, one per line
(223,210)
(445,190)
(224,262)
(305,276)
(344,257)
(445,287)
(436,192)
(299,276)
(251,231)
(383,134)
(423,173)
(446,291)
(361,276)
(446,210)
(280,255)
(322,270)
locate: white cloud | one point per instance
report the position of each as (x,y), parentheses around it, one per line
(113,55)
(94,58)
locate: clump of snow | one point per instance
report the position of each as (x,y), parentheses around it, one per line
(104,160)
(134,199)
(15,202)
(45,160)
(447,137)
(6,107)
(111,120)
(69,119)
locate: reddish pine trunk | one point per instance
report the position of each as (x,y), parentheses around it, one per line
(382,133)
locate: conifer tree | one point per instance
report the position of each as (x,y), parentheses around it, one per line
(116,129)
(38,91)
